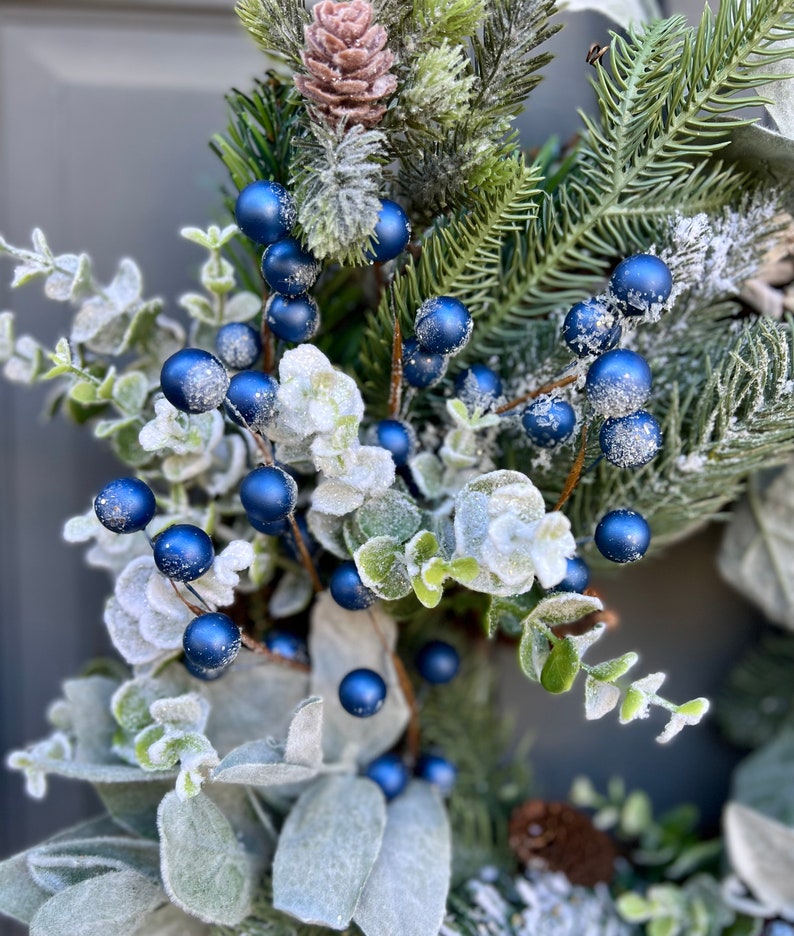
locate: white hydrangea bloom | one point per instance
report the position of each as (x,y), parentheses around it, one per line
(501,521)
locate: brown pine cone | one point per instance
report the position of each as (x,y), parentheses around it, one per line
(347,63)
(557,837)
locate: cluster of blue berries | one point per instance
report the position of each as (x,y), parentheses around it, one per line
(363,692)
(442,328)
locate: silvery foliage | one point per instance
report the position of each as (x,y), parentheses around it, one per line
(623,12)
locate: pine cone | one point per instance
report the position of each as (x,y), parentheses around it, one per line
(557,837)
(348,64)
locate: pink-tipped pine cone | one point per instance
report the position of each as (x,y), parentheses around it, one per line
(347,63)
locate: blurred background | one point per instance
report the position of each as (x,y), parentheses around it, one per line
(106,108)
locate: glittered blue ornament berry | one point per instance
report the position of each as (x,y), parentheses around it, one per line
(194,381)
(631,441)
(590,328)
(183,552)
(438,771)
(362,693)
(478,384)
(618,382)
(577,576)
(125,505)
(437,662)
(288,268)
(201,672)
(443,325)
(268,494)
(392,233)
(238,345)
(622,536)
(422,369)
(265,212)
(211,641)
(397,438)
(548,421)
(348,590)
(276,528)
(294,320)
(251,399)
(390,773)
(287,646)
(639,283)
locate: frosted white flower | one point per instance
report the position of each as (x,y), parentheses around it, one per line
(182,433)
(362,471)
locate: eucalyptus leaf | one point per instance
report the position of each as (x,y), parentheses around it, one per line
(533,652)
(111,903)
(20,896)
(392,513)
(507,613)
(563,608)
(304,738)
(92,721)
(599,698)
(407,890)
(58,865)
(327,848)
(559,671)
(258,763)
(134,805)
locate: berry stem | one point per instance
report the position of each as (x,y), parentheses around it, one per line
(575,473)
(261,650)
(268,338)
(395,391)
(533,394)
(188,604)
(306,559)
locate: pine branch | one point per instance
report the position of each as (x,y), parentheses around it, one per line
(276,25)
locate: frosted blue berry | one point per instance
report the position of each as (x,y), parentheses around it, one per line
(251,399)
(294,320)
(397,438)
(288,268)
(548,421)
(276,528)
(201,672)
(238,345)
(437,662)
(618,382)
(622,536)
(286,645)
(631,441)
(183,552)
(211,641)
(348,590)
(265,212)
(362,693)
(577,576)
(478,384)
(194,381)
(438,771)
(443,325)
(125,505)
(390,773)
(422,369)
(268,494)
(590,328)
(640,282)
(392,233)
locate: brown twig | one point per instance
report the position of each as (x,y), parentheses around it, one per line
(268,338)
(264,447)
(261,650)
(188,604)
(395,390)
(595,53)
(533,394)
(306,559)
(575,473)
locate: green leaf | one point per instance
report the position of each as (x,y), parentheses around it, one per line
(205,869)
(763,780)
(20,896)
(130,392)
(464,569)
(634,908)
(533,652)
(406,892)
(134,805)
(507,613)
(392,514)
(58,865)
(634,705)
(84,392)
(599,698)
(430,597)
(559,672)
(611,670)
(435,572)
(423,547)
(381,564)
(563,608)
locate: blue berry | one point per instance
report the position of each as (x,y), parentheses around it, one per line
(348,590)
(443,325)
(125,505)
(618,382)
(437,771)
(286,645)
(183,552)
(288,268)
(211,641)
(390,773)
(577,576)
(437,662)
(548,421)
(268,494)
(396,437)
(276,528)
(422,369)
(631,441)
(362,693)
(194,381)
(590,328)
(623,536)
(478,383)
(265,212)
(201,672)
(641,282)
(392,233)
(294,320)
(251,399)
(238,345)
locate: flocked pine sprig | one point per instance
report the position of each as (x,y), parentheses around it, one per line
(276,26)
